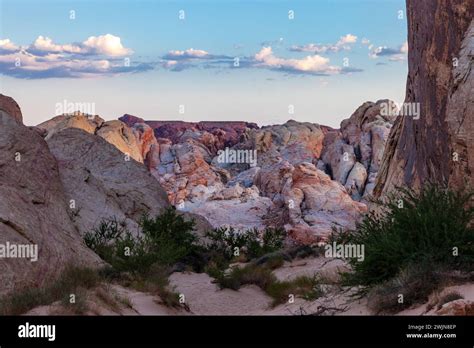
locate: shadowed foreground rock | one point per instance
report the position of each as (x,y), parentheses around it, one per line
(437,147)
(102,181)
(33,209)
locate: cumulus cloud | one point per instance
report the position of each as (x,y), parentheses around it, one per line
(7,46)
(393,54)
(95,56)
(107,45)
(347,39)
(310,64)
(190,53)
(46,45)
(263,59)
(343,44)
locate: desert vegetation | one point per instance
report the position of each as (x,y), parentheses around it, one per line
(415,241)
(145,259)
(73,280)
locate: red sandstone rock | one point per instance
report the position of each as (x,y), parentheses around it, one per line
(422,150)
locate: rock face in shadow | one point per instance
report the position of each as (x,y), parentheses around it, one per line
(103,181)
(10,106)
(437,147)
(34,209)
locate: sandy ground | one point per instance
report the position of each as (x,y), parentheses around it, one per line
(203,296)
(138,303)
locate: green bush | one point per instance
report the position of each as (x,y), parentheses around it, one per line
(413,227)
(262,276)
(252,243)
(165,240)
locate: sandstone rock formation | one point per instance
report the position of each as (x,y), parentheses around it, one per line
(234,206)
(292,141)
(102,182)
(215,135)
(184,170)
(122,137)
(10,106)
(353,154)
(437,147)
(186,161)
(33,208)
(85,122)
(115,132)
(307,201)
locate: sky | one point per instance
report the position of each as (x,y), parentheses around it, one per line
(263,61)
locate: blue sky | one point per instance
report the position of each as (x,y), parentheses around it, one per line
(139,57)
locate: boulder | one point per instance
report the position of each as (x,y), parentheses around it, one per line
(102,182)
(457,307)
(122,137)
(307,201)
(185,172)
(87,123)
(10,107)
(34,210)
(360,143)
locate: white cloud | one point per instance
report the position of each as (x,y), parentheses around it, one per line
(7,45)
(365,41)
(45,44)
(393,54)
(187,54)
(344,43)
(108,44)
(347,39)
(404,47)
(44,58)
(308,64)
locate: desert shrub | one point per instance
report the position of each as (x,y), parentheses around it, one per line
(413,227)
(251,243)
(71,281)
(165,239)
(80,305)
(101,237)
(449,297)
(156,282)
(262,276)
(168,236)
(306,287)
(415,283)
